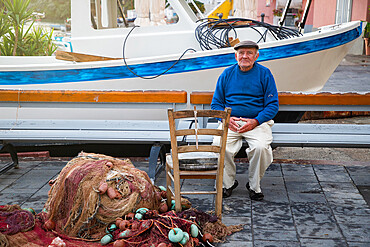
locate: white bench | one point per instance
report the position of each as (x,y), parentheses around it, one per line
(70,131)
(157,132)
(313,135)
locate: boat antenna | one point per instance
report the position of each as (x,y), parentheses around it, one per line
(155,76)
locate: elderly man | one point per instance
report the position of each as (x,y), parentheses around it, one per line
(249,89)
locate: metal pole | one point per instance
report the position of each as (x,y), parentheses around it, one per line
(304,18)
(282,20)
(262,17)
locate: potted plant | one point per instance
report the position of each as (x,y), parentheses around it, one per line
(367,39)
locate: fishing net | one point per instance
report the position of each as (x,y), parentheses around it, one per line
(13,219)
(88,201)
(155,228)
(77,207)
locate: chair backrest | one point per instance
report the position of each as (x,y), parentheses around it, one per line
(198,147)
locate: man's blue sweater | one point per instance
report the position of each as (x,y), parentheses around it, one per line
(250,94)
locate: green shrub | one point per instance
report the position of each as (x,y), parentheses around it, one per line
(15,39)
(367,30)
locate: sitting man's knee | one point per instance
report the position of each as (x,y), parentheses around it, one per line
(260,147)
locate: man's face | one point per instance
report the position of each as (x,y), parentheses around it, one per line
(246,58)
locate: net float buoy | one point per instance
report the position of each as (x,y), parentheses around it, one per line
(175,235)
(119,243)
(124,225)
(130,216)
(50,225)
(207,237)
(106,239)
(103,188)
(194,231)
(185,239)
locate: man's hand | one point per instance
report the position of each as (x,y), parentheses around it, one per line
(249,124)
(233,124)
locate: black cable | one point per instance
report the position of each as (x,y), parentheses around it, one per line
(149,77)
(214,33)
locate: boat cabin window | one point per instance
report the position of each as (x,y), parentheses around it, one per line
(127,13)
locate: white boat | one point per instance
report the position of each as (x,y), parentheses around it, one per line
(299,64)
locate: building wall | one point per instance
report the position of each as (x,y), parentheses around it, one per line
(322,12)
(360,10)
(267,10)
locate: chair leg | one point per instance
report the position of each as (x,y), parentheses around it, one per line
(177,186)
(168,184)
(218,200)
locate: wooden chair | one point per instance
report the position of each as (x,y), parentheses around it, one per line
(174,171)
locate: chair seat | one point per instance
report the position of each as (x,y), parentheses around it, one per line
(196,161)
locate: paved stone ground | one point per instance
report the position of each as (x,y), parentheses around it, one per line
(352,75)
(305,204)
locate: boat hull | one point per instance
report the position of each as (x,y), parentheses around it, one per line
(301,64)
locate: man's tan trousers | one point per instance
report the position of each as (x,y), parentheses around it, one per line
(259,153)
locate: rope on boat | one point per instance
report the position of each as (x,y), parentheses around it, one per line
(155,76)
(214,33)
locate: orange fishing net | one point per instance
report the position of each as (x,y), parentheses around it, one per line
(90,199)
(79,209)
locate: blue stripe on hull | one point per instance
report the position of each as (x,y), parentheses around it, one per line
(186,65)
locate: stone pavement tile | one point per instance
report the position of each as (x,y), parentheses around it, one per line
(228,221)
(16,173)
(348,199)
(356,232)
(34,179)
(319,230)
(296,197)
(272,182)
(275,195)
(242,168)
(365,192)
(198,185)
(357,244)
(261,243)
(302,187)
(274,170)
(347,187)
(352,219)
(5,182)
(297,170)
(14,198)
(36,201)
(242,236)
(236,207)
(358,170)
(235,244)
(361,180)
(310,242)
(241,190)
(312,214)
(332,173)
(274,235)
(272,216)
(204,203)
(343,196)
(342,209)
(51,165)
(299,178)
